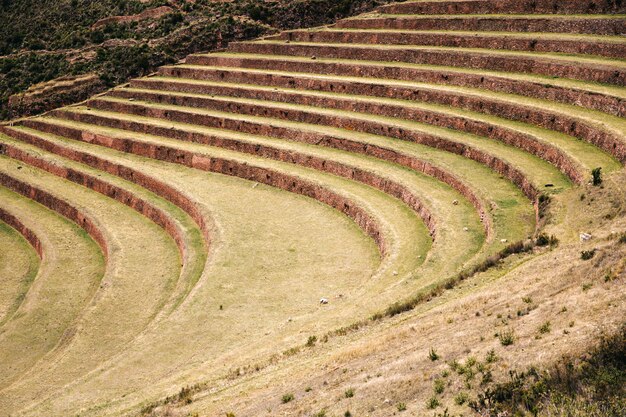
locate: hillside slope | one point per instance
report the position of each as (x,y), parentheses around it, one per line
(413,211)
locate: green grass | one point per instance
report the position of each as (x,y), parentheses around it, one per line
(564,58)
(42,315)
(256,229)
(195,248)
(586,155)
(538,171)
(512,230)
(494,34)
(541,79)
(19,265)
(143,260)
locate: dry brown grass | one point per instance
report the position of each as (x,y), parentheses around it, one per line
(388,363)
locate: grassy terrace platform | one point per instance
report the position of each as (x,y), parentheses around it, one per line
(44,307)
(181,230)
(606,98)
(19,264)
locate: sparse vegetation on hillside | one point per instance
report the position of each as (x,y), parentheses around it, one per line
(41,41)
(592,385)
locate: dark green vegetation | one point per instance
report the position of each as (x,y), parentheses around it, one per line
(594,384)
(40,41)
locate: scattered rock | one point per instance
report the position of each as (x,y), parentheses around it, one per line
(455,202)
(503,240)
(584,237)
(323,300)
(465,229)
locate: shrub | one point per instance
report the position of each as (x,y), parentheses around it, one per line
(545,327)
(401,407)
(507,337)
(311,341)
(185,395)
(432,403)
(587,254)
(596,174)
(287,398)
(590,386)
(544,240)
(491,356)
(461,398)
(432,355)
(439,386)
(349,393)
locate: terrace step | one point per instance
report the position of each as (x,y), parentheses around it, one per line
(19,264)
(581,24)
(131,269)
(182,229)
(504,6)
(341,127)
(374,146)
(47,305)
(257,245)
(607,46)
(605,98)
(578,67)
(515,113)
(574,158)
(228,163)
(372,172)
(395,152)
(332,162)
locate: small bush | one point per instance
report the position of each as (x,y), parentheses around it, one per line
(622,238)
(287,398)
(545,327)
(439,386)
(349,393)
(432,355)
(185,395)
(432,403)
(507,337)
(461,398)
(596,174)
(401,407)
(491,356)
(347,414)
(545,240)
(587,254)
(311,341)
